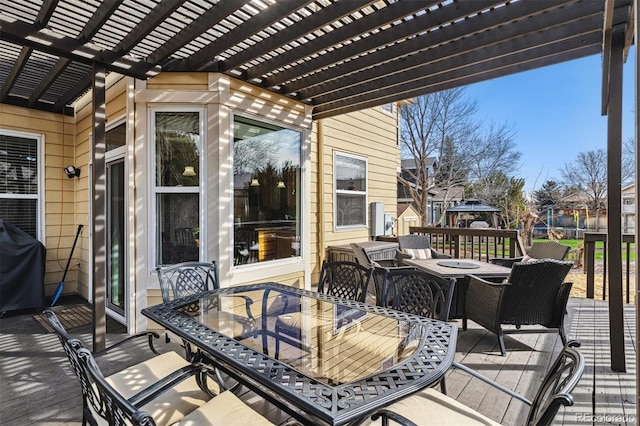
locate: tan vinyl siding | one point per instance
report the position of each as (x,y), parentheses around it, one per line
(372,134)
(59,224)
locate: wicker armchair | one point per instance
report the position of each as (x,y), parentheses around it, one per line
(535,294)
(430,407)
(538,250)
(415,241)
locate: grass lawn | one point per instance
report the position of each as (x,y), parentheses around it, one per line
(599,247)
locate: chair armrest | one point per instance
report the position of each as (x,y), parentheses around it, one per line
(484,302)
(438,255)
(197,369)
(561,302)
(505,261)
(401,256)
(386,263)
(387,415)
(150,335)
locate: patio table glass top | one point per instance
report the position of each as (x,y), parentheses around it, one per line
(351,358)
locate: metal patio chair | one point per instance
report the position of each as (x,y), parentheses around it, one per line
(166,385)
(430,407)
(191,278)
(419,293)
(120,403)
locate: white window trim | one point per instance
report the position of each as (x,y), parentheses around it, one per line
(384,110)
(154,190)
(342,191)
(40,196)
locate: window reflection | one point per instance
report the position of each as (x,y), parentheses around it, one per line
(266,181)
(177,172)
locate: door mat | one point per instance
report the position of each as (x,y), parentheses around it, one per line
(76,316)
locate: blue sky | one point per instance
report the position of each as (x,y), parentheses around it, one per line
(555,111)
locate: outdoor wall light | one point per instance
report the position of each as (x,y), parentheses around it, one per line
(189,171)
(254,182)
(72,172)
(280,185)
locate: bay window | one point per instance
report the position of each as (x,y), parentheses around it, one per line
(266,191)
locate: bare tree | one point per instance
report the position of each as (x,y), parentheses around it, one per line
(436,125)
(450,147)
(629,160)
(588,175)
(493,151)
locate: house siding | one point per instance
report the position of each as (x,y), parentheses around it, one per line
(370,133)
(59,191)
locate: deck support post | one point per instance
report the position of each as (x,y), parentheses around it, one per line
(614,199)
(98,211)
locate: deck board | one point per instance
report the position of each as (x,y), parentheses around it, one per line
(39,387)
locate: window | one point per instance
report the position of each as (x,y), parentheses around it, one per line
(19,181)
(350,175)
(178,150)
(266,196)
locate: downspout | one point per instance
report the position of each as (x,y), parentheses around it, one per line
(320,212)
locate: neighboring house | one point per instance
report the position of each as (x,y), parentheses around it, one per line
(443,199)
(629,209)
(407,216)
(199,166)
(437,197)
(561,215)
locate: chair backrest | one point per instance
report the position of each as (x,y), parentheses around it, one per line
(419,293)
(557,386)
(186,279)
(345,279)
(414,241)
(361,255)
(548,250)
(117,409)
(534,293)
(71,347)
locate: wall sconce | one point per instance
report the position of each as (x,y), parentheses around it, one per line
(280,185)
(254,182)
(189,171)
(72,172)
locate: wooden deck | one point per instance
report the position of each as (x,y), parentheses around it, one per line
(38,387)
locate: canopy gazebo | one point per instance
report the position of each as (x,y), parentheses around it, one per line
(470,210)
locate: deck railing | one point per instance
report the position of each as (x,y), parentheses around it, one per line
(484,244)
(468,243)
(596,242)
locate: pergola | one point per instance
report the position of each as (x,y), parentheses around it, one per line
(336,56)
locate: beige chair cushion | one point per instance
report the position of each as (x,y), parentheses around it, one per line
(430,407)
(172,405)
(418,253)
(224,410)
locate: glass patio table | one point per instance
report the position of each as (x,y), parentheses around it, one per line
(353,358)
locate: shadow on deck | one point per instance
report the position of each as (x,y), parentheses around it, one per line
(39,387)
